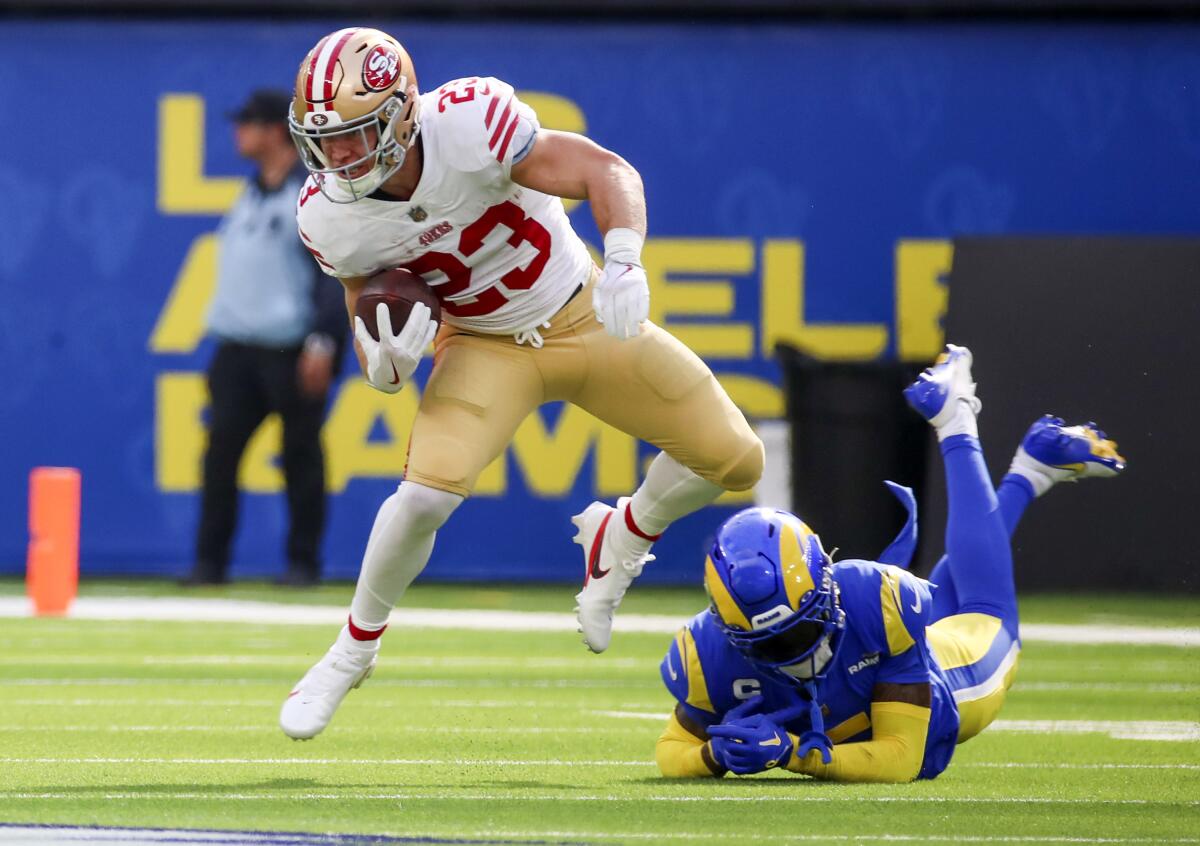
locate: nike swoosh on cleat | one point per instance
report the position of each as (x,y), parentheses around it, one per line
(594,570)
(395,380)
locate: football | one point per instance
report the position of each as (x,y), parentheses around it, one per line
(400,290)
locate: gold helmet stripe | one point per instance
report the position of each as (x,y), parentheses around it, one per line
(728,610)
(793,561)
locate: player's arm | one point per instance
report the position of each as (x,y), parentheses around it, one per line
(575,167)
(682,750)
(900,716)
(352,285)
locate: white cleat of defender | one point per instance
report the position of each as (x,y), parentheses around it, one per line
(606,577)
(311,704)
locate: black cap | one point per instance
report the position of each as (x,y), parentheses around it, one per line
(266,105)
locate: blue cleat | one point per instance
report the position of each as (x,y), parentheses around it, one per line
(1065,453)
(936,393)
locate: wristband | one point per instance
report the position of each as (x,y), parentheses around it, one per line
(623,246)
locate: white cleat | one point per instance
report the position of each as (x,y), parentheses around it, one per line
(606,577)
(310,705)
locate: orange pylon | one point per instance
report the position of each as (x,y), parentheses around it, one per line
(52,567)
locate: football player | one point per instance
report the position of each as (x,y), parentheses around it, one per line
(859,671)
(461,186)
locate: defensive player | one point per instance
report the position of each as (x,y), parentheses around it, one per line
(461,186)
(859,671)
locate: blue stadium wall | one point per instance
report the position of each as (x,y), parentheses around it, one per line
(803,184)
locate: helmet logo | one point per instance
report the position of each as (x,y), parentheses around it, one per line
(381,68)
(319,120)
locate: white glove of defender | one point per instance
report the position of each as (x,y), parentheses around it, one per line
(622,296)
(392,359)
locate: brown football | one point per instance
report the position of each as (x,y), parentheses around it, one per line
(400,290)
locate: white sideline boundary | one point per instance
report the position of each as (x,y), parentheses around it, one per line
(168,609)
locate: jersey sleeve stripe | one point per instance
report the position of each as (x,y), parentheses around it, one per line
(491,112)
(501,122)
(512,128)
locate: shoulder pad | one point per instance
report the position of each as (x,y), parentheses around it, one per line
(322,235)
(906,604)
(482,122)
(683,673)
(888,607)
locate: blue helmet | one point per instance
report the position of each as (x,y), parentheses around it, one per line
(772,591)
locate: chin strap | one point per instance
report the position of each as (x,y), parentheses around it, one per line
(815,738)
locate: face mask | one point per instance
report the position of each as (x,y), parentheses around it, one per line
(810,666)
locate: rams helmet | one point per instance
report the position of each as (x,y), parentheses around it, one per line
(772,591)
(356,81)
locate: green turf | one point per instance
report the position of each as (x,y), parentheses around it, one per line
(1095,608)
(460,735)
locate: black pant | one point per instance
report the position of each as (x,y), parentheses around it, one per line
(246,384)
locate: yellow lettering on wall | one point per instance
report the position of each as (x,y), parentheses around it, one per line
(179,434)
(921,297)
(756,397)
(551,461)
(665,257)
(182,186)
(783,312)
(180,324)
(555,112)
(356,411)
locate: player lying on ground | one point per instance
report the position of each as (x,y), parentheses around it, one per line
(859,671)
(461,186)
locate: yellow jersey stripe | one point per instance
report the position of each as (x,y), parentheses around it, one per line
(846,729)
(697,695)
(898,638)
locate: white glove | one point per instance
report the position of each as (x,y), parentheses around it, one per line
(392,359)
(622,296)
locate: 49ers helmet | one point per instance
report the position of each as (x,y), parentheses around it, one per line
(354,81)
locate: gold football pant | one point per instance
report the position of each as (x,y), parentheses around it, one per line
(651,387)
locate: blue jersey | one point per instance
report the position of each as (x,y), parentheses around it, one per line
(887,610)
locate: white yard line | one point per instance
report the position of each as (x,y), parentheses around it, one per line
(266,613)
(1176,730)
(459,762)
(460,796)
(49,834)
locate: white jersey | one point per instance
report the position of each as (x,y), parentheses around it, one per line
(501,258)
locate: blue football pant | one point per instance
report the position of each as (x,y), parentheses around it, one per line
(975,636)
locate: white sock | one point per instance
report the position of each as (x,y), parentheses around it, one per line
(1041,477)
(962,423)
(670,491)
(399,547)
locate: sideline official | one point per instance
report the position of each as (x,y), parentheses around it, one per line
(280,329)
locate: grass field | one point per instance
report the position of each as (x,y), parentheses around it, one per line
(524,736)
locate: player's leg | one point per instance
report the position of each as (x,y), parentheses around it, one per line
(237,407)
(303,468)
(656,389)
(479,392)
(978,646)
(1050,452)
